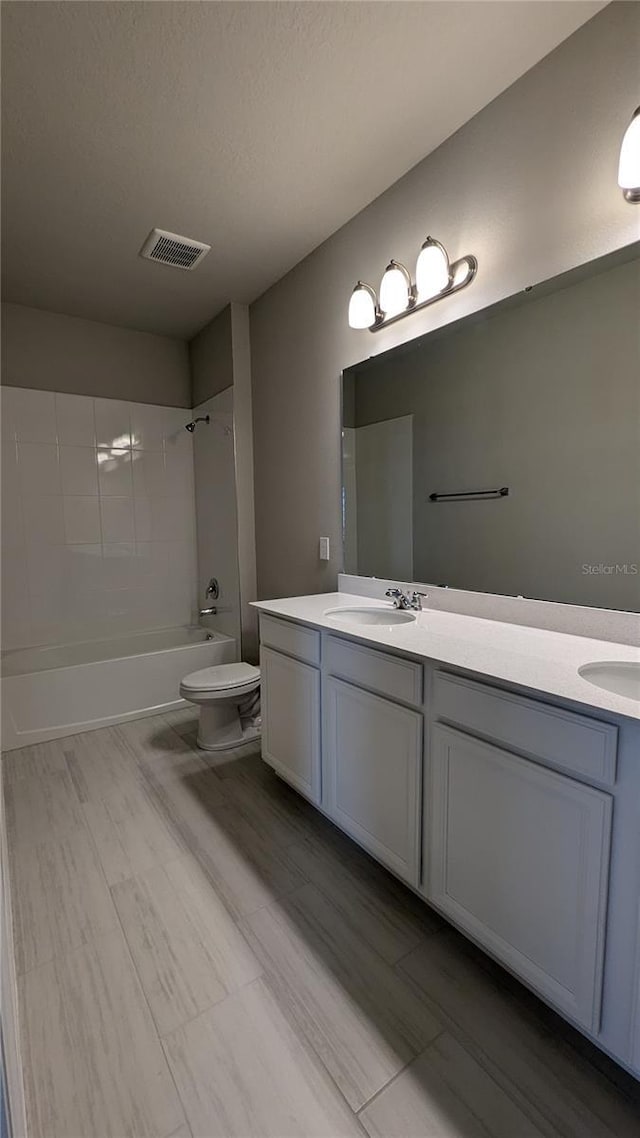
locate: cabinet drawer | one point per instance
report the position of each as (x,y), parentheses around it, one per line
(294,639)
(564,739)
(390,675)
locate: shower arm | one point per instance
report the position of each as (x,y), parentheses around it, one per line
(192,425)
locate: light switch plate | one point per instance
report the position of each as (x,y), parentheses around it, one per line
(324,549)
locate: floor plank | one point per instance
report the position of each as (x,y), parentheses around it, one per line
(242,1073)
(188,951)
(130,834)
(60,899)
(40,809)
(34,762)
(362,1023)
(388,916)
(445,1093)
(247,869)
(513,1045)
(93,1064)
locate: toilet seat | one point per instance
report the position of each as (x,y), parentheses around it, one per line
(221,681)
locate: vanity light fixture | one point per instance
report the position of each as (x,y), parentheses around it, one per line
(629,167)
(436,277)
(433,272)
(363,307)
(397,293)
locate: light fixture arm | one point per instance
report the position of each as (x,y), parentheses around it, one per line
(472,268)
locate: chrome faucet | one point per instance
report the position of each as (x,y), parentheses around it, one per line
(209,612)
(402,601)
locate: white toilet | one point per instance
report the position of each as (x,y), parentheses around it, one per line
(220,693)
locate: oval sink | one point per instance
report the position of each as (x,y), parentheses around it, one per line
(381,616)
(621,677)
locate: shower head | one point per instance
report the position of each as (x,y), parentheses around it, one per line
(190,427)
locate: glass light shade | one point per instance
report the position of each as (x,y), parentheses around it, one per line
(362,307)
(432,270)
(462,272)
(394,290)
(629,168)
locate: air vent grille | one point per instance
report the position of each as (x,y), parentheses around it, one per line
(172,249)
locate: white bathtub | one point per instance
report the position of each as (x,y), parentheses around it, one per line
(63,689)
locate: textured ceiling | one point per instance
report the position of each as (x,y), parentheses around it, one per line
(259,128)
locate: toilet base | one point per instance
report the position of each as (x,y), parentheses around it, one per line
(220,728)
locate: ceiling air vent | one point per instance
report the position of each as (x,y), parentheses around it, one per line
(172,249)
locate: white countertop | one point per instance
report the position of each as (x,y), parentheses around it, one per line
(533,658)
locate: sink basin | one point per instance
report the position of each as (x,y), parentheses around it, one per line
(621,677)
(381,617)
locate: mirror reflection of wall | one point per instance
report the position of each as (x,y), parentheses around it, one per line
(540,394)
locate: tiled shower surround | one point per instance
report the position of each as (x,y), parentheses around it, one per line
(98,517)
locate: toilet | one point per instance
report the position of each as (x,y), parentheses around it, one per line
(220,693)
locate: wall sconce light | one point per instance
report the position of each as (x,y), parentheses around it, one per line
(629,167)
(436,277)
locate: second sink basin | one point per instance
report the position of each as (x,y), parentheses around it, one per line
(621,677)
(379,616)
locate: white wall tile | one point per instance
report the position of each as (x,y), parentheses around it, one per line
(149,424)
(113,423)
(77,562)
(78,470)
(82,520)
(149,474)
(76,420)
(114,473)
(120,565)
(117,519)
(83,566)
(13,529)
(179,471)
(10,477)
(43,520)
(7,412)
(143,519)
(46,573)
(34,414)
(38,468)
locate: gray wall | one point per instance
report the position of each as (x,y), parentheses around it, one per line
(544,398)
(52,352)
(528,186)
(211,358)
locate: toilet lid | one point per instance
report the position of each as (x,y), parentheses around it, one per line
(221,677)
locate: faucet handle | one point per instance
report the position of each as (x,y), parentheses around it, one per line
(416,599)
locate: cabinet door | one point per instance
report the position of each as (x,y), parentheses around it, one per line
(290,706)
(373,760)
(518,857)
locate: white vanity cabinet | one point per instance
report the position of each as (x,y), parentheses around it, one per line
(514,813)
(518,857)
(372,751)
(516,845)
(290,698)
(373,766)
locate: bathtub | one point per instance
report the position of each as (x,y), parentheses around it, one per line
(62,689)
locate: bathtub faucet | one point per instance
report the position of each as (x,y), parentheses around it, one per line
(212,611)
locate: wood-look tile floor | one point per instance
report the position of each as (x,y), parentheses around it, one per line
(201,955)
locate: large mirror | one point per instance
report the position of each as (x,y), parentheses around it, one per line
(502,453)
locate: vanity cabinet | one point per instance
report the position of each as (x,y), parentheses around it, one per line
(514,813)
(290,697)
(518,857)
(373,763)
